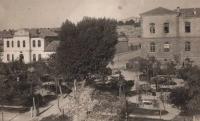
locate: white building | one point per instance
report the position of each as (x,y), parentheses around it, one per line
(30,45)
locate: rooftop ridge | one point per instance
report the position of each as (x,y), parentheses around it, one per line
(158,11)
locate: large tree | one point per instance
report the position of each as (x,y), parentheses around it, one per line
(86,48)
(188,97)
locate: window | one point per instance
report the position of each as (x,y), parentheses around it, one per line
(21,57)
(39,57)
(34,57)
(166,27)
(8,44)
(152,47)
(166,47)
(8,57)
(24,43)
(39,43)
(152,28)
(12,43)
(13,57)
(187,46)
(33,43)
(18,43)
(187,27)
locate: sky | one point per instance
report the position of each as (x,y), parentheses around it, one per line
(15,14)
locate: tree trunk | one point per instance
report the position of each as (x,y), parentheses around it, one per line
(60,88)
(163,104)
(74,88)
(83,83)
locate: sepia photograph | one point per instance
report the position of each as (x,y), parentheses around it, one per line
(99,60)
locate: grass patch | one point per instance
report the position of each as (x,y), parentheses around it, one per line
(15,110)
(57,118)
(113,86)
(134,109)
(144,119)
(131,93)
(107,101)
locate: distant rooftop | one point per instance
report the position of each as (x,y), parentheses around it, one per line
(35,32)
(129,31)
(42,32)
(6,34)
(184,12)
(190,12)
(52,46)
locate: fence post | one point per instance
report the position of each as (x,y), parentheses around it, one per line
(31,112)
(193,118)
(2,116)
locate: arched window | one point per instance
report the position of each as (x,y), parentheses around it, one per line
(8,44)
(39,57)
(152,47)
(39,43)
(8,57)
(34,58)
(24,43)
(12,43)
(18,43)
(33,43)
(166,47)
(187,46)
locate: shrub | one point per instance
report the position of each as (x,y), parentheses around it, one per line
(57,118)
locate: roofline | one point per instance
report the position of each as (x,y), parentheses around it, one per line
(146,13)
(157,14)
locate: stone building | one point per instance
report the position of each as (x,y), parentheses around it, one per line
(128,37)
(32,45)
(29,45)
(169,34)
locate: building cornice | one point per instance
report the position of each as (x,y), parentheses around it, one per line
(167,37)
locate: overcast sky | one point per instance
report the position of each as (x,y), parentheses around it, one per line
(51,13)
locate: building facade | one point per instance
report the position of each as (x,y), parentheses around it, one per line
(28,45)
(171,34)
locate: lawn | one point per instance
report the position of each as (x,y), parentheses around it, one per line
(131,93)
(134,109)
(144,119)
(14,110)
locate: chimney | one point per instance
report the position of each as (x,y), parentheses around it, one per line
(178,11)
(195,11)
(38,31)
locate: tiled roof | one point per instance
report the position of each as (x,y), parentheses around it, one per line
(159,11)
(189,12)
(36,32)
(42,32)
(6,34)
(52,46)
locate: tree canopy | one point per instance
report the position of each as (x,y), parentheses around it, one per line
(17,82)
(188,97)
(86,48)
